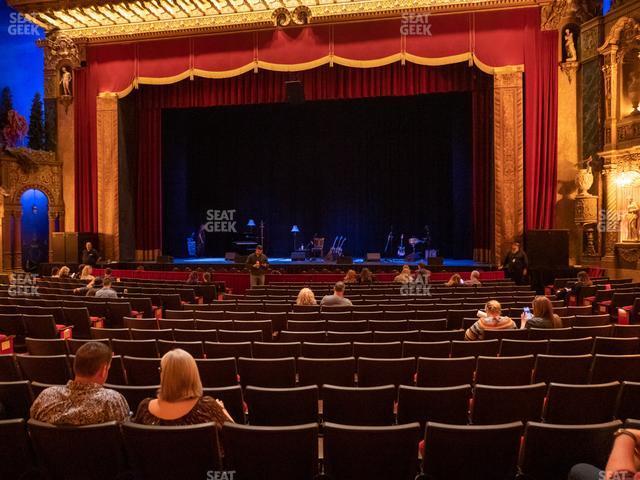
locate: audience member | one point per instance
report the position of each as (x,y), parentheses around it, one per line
(306,297)
(108,273)
(55,272)
(423,274)
(90,255)
(474,279)
(337,298)
(404,276)
(623,464)
(454,280)
(180,397)
(583,280)
(87,273)
(542,315)
(90,289)
(64,272)
(192,279)
(106,291)
(366,277)
(83,400)
(490,319)
(516,263)
(350,277)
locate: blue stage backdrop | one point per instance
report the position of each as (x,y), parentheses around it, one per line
(21,60)
(348,167)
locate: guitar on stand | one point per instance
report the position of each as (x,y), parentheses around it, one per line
(401,246)
(387,246)
(330,256)
(339,247)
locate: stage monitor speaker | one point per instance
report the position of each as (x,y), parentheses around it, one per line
(373,257)
(547,248)
(435,261)
(230,256)
(344,260)
(164,259)
(295,91)
(298,256)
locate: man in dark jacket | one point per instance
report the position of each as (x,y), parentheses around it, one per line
(90,255)
(258,264)
(516,263)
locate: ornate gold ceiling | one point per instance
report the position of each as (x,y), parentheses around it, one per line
(100,20)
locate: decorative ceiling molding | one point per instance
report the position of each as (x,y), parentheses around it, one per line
(103,21)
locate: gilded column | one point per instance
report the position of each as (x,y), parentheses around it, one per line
(508,159)
(610,222)
(17,239)
(108,213)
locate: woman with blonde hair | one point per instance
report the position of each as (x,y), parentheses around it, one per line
(543,316)
(404,276)
(306,297)
(87,273)
(350,277)
(454,281)
(490,319)
(180,397)
(64,272)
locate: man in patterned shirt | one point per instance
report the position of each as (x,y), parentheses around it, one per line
(83,400)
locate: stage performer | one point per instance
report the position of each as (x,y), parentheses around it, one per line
(258,264)
(516,263)
(90,255)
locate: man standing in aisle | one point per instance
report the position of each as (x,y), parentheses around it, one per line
(516,263)
(258,264)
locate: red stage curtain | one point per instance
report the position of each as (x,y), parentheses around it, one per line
(320,84)
(541,126)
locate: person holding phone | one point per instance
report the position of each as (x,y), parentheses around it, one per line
(258,264)
(542,316)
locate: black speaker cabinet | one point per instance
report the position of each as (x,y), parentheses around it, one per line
(298,256)
(373,257)
(164,259)
(344,260)
(295,91)
(547,248)
(58,248)
(435,261)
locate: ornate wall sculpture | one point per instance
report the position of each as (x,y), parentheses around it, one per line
(621,151)
(22,169)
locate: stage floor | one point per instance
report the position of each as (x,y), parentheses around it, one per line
(448,262)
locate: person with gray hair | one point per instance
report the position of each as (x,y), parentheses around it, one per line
(474,279)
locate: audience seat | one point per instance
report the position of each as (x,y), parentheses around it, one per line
(441,335)
(218,372)
(377,350)
(196,348)
(373,372)
(426,349)
(443,404)
(46,346)
(240,336)
(610,368)
(550,451)
(386,452)
(332,371)
(232,399)
(487,348)
(79,452)
(445,372)
(16,456)
(550,333)
(572,369)
(135,348)
(581,404)
(188,451)
(282,406)
(576,346)
(142,371)
(134,394)
(505,370)
(110,333)
(516,348)
(304,336)
(52,369)
(195,335)
(276,350)
(227,349)
(616,346)
(271,453)
(16,399)
(504,404)
(358,406)
(269,373)
(154,334)
(327,350)
(629,401)
(481,452)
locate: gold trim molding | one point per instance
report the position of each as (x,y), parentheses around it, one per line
(98,21)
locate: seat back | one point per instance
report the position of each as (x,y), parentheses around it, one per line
(46,346)
(581,404)
(188,451)
(16,398)
(16,457)
(332,371)
(270,453)
(227,349)
(40,326)
(282,406)
(445,372)
(327,350)
(436,404)
(562,368)
(218,372)
(142,371)
(269,373)
(608,368)
(358,406)
(505,370)
(52,369)
(373,372)
(446,443)
(563,446)
(371,452)
(502,404)
(96,450)
(487,348)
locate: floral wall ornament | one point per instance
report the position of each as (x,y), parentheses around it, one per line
(15,130)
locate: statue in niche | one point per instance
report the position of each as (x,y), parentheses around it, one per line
(66,81)
(570,46)
(632,220)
